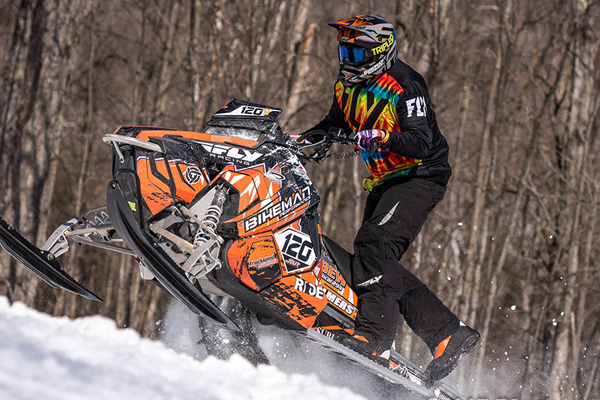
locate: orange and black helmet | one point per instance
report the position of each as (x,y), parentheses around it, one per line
(367,48)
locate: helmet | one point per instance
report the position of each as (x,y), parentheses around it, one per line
(367,48)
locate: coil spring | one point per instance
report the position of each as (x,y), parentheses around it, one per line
(210,219)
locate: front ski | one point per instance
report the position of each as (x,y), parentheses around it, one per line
(40,262)
(404,372)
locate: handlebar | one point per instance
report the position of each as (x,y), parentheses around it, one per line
(322,145)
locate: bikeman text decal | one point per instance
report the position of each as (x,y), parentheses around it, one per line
(279,209)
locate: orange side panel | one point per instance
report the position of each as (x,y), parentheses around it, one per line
(236,256)
(256,261)
(300,296)
(259,190)
(245,183)
(186,189)
(251,184)
(156,194)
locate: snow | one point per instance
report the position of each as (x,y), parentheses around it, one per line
(179,331)
(89,358)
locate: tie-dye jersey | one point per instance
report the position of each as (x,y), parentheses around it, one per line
(374,106)
(398,102)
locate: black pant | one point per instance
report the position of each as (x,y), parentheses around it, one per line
(394,215)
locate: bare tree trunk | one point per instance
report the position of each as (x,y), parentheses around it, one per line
(134,297)
(529,340)
(191,64)
(215,71)
(302,74)
(162,82)
(560,377)
(586,262)
(295,43)
(516,208)
(455,187)
(483,168)
(22,219)
(123,289)
(473,305)
(11,83)
(87,149)
(136,96)
(111,287)
(152,311)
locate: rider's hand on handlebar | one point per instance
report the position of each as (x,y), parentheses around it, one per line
(370,139)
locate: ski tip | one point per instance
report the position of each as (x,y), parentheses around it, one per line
(40,262)
(85,293)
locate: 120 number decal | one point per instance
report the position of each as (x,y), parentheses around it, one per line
(296,247)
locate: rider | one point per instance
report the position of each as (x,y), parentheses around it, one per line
(385,104)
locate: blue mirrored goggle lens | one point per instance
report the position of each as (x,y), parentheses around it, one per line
(352,54)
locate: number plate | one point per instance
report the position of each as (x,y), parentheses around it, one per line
(296,248)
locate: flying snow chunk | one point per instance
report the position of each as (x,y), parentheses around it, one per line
(513,307)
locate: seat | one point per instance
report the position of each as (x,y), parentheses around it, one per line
(341,258)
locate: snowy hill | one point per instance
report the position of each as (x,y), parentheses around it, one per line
(89,358)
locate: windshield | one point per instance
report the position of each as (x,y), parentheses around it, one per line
(234,132)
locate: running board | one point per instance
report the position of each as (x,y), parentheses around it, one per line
(40,262)
(405,374)
(169,275)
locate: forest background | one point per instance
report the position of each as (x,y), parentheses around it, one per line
(513,248)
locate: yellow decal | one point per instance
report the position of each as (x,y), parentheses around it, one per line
(132,206)
(388,43)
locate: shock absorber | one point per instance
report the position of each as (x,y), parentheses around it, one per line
(211,217)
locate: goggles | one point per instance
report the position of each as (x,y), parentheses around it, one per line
(352,55)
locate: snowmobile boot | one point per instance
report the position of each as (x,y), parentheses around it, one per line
(449,352)
(366,347)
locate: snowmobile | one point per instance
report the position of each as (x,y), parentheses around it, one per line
(229,211)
